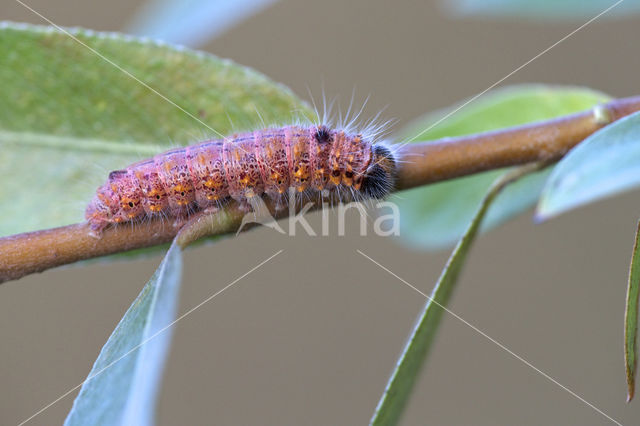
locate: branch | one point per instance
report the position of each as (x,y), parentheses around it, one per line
(449,158)
(425,162)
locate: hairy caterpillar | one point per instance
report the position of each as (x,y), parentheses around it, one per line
(305,158)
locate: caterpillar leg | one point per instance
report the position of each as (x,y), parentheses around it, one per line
(211,210)
(96,229)
(244,206)
(280,202)
(179,221)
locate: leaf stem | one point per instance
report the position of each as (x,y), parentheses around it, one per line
(423,163)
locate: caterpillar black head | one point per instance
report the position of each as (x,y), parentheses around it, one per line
(380,175)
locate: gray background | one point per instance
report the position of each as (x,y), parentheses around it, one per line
(311,337)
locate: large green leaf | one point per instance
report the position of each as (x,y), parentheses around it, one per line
(604,164)
(631,319)
(407,369)
(543,9)
(68,117)
(436,216)
(122,386)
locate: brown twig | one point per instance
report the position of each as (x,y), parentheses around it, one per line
(544,141)
(427,162)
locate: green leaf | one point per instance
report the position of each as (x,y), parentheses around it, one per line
(435,216)
(604,164)
(68,117)
(407,369)
(123,384)
(542,9)
(631,319)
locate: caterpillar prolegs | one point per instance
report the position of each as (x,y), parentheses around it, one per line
(307,159)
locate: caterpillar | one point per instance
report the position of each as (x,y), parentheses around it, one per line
(312,159)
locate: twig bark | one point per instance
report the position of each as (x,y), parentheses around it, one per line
(543,141)
(425,162)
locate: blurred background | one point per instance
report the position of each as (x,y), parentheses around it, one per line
(311,337)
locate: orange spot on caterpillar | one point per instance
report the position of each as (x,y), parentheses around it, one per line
(335,176)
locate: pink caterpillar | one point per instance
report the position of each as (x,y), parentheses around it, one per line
(180,181)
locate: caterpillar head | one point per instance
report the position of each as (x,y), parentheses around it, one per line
(380,175)
(100,210)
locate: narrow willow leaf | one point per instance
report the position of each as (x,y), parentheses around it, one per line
(123,384)
(542,9)
(407,369)
(631,319)
(68,117)
(436,216)
(604,164)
